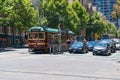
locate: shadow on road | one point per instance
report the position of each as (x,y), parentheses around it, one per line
(6,50)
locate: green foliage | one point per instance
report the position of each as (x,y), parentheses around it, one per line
(17,13)
(78,16)
(96,16)
(5,11)
(116,10)
(118,33)
(74,15)
(111,28)
(24,15)
(71,20)
(100,26)
(53,10)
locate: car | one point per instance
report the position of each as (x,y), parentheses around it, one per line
(25,45)
(78,47)
(102,48)
(91,45)
(111,43)
(117,41)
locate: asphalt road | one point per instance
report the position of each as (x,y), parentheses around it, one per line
(18,64)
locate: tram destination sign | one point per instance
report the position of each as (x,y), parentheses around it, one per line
(35,30)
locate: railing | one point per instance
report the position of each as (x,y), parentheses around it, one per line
(55,49)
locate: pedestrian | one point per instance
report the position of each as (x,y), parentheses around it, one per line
(68,42)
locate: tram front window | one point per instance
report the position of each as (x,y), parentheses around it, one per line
(41,35)
(36,36)
(33,36)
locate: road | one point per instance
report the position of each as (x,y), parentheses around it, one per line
(18,64)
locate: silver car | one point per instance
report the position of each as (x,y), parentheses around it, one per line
(117,42)
(102,48)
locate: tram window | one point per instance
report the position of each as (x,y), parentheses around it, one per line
(30,36)
(33,36)
(26,36)
(64,38)
(41,35)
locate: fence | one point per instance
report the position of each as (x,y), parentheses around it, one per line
(55,49)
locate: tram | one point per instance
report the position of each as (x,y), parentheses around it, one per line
(41,38)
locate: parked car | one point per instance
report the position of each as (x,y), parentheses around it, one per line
(102,48)
(111,43)
(117,42)
(80,47)
(91,45)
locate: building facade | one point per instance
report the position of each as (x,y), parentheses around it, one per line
(9,37)
(105,7)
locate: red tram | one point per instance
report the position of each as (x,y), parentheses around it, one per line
(41,39)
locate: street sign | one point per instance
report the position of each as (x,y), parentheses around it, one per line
(96,36)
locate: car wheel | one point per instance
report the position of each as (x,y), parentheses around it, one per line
(70,51)
(107,53)
(114,51)
(94,53)
(86,50)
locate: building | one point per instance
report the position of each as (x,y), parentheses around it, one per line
(105,7)
(9,36)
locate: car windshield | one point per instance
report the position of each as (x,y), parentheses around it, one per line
(117,41)
(101,44)
(91,43)
(77,44)
(106,41)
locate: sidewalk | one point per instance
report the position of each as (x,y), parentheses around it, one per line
(13,53)
(7,49)
(2,49)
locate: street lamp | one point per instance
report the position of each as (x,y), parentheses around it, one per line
(89,5)
(94,7)
(59,28)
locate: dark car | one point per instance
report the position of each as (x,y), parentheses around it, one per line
(117,42)
(102,48)
(111,43)
(80,47)
(91,45)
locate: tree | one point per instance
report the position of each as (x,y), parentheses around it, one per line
(100,25)
(72,20)
(23,15)
(74,15)
(96,24)
(79,16)
(118,33)
(18,13)
(53,10)
(116,13)
(111,28)
(5,11)
(116,10)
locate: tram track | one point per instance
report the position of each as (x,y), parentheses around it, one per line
(62,75)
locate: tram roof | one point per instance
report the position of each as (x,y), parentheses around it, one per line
(48,29)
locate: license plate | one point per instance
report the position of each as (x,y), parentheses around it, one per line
(74,50)
(99,51)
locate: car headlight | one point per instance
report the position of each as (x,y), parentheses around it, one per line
(79,48)
(94,49)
